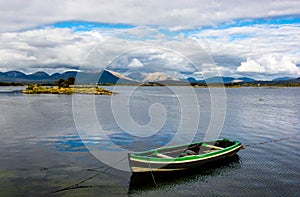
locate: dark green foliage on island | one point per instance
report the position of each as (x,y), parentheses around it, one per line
(152,84)
(65,83)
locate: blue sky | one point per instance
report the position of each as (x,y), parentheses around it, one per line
(258,39)
(88,26)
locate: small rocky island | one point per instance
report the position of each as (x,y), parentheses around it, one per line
(36,89)
(66,87)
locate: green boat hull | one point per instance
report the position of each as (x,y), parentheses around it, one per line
(182,157)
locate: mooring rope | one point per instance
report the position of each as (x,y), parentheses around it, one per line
(152,174)
(266,142)
(77,185)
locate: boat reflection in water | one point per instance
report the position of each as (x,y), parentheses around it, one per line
(152,181)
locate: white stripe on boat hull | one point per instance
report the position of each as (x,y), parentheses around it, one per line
(141,169)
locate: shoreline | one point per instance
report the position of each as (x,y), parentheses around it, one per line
(81,88)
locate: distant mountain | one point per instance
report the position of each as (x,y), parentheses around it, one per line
(12,76)
(104,77)
(151,77)
(297,80)
(246,79)
(192,80)
(292,80)
(64,75)
(111,77)
(159,76)
(38,76)
(218,79)
(283,79)
(221,79)
(135,78)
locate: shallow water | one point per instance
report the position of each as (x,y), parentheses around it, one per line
(41,151)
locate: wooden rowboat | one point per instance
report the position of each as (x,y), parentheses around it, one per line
(182,157)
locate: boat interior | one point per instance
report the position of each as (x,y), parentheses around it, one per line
(193,149)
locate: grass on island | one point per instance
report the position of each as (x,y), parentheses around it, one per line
(36,89)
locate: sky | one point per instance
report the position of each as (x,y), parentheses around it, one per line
(257,39)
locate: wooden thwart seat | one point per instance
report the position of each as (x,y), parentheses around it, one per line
(214,147)
(163,156)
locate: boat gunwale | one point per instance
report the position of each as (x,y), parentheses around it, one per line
(136,157)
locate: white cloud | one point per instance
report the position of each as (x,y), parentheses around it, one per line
(178,14)
(276,64)
(270,65)
(264,49)
(268,47)
(46,49)
(253,40)
(251,66)
(151,56)
(60,49)
(135,63)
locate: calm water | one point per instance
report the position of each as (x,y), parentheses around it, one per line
(42,153)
